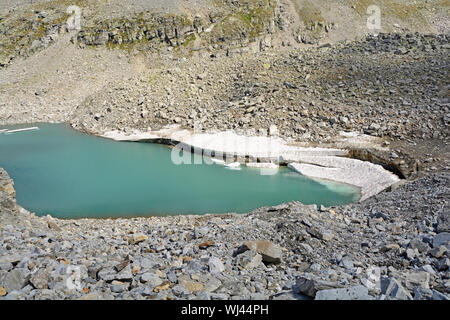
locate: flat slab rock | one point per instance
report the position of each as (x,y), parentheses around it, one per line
(352,293)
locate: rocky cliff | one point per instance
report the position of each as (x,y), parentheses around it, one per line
(210,25)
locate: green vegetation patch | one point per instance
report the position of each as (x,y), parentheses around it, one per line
(249,20)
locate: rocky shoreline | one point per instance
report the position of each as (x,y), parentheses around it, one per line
(392,246)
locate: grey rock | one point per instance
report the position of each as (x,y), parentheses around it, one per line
(347,263)
(118,287)
(258,296)
(309,285)
(428,268)
(439,296)
(419,245)
(6,266)
(321,233)
(172,277)
(203,296)
(441,239)
(438,252)
(304,247)
(16,279)
(422,293)
(212,284)
(249,260)
(97,296)
(92,271)
(45,294)
(151,262)
(351,293)
(179,290)
(124,274)
(270,252)
(412,279)
(194,267)
(40,279)
(27,289)
(107,274)
(443,222)
(11,258)
(219,296)
(411,253)
(289,295)
(15,295)
(102,38)
(215,265)
(315,267)
(147,291)
(393,290)
(152,279)
(443,264)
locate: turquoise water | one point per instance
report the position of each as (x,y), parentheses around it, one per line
(67,174)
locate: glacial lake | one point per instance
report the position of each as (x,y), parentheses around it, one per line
(67,174)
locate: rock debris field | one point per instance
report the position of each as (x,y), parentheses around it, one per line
(392,246)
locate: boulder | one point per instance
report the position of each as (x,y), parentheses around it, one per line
(419,245)
(347,263)
(320,233)
(441,239)
(391,289)
(215,265)
(269,252)
(443,222)
(439,296)
(309,285)
(438,252)
(411,279)
(352,293)
(249,260)
(125,274)
(16,279)
(11,258)
(118,286)
(443,264)
(152,279)
(422,294)
(107,274)
(40,279)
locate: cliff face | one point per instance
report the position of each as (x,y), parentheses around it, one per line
(209,25)
(226,24)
